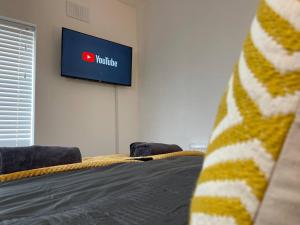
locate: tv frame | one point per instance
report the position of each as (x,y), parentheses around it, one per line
(82,78)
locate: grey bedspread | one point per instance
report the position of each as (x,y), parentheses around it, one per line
(148,193)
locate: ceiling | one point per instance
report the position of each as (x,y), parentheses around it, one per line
(129,2)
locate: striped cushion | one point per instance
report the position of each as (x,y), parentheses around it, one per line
(254,118)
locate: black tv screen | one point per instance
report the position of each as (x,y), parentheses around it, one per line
(88,57)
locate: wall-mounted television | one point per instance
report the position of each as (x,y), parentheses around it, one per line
(87,57)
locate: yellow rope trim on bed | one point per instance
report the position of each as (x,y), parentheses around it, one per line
(89,162)
(176,154)
(85,164)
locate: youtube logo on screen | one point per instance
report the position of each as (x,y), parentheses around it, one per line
(88,57)
(91,58)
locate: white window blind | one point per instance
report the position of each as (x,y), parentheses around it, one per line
(17,59)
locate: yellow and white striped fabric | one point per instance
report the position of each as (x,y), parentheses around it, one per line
(253,120)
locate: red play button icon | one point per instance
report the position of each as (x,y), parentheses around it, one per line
(88,57)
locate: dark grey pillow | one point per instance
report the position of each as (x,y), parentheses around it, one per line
(14,159)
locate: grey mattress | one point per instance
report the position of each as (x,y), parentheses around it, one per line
(147,193)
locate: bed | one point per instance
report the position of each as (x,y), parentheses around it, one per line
(144,193)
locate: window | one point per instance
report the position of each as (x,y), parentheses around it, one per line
(17,62)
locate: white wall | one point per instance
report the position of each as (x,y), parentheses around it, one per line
(75,112)
(186,53)
(187,50)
